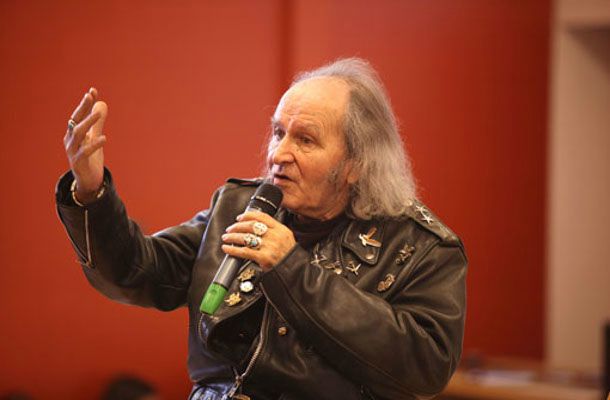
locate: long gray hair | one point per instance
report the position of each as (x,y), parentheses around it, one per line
(385,186)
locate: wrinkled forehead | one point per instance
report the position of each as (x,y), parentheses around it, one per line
(324,96)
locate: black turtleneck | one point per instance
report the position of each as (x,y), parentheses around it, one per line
(308,232)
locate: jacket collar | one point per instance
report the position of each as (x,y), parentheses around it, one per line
(351,237)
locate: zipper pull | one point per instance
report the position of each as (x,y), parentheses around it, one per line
(231,393)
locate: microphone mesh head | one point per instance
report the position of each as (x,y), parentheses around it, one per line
(267,198)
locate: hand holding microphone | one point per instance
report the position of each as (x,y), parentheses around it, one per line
(275,244)
(256,222)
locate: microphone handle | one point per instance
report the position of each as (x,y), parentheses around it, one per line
(219,287)
(217,291)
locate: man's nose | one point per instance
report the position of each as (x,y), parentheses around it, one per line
(283,153)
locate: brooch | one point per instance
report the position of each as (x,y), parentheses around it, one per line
(386,283)
(367,240)
(233,299)
(404,253)
(353,268)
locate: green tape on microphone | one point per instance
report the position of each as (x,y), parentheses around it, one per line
(213,298)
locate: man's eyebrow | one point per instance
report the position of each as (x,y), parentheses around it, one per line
(307,126)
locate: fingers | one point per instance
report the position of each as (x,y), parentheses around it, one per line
(266,257)
(243,227)
(93,123)
(85,105)
(257,216)
(101,108)
(245,239)
(276,242)
(91,147)
(73,141)
(234,238)
(245,253)
(234,244)
(89,116)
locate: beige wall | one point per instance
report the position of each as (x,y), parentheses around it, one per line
(579,179)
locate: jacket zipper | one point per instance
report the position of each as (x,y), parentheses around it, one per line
(239,378)
(199,333)
(87,240)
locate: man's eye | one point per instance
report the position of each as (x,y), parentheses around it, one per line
(306,140)
(278,133)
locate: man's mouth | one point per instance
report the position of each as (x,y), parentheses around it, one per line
(281,177)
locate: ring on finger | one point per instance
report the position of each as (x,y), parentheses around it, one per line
(253,241)
(259,228)
(71,125)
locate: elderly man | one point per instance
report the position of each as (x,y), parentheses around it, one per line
(355,290)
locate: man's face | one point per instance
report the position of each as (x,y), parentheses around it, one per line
(306,154)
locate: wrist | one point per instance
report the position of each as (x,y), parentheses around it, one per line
(82,198)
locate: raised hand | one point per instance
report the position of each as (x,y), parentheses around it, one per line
(83,142)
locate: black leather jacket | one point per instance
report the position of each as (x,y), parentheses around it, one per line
(347,320)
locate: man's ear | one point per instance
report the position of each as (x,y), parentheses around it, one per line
(353,174)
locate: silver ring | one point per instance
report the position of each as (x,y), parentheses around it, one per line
(259,228)
(71,125)
(252,241)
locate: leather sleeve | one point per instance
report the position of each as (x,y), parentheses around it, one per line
(119,260)
(404,346)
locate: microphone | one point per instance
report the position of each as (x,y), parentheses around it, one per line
(267,199)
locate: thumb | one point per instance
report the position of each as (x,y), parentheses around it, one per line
(98,128)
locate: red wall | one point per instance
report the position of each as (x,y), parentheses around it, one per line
(190,87)
(468,80)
